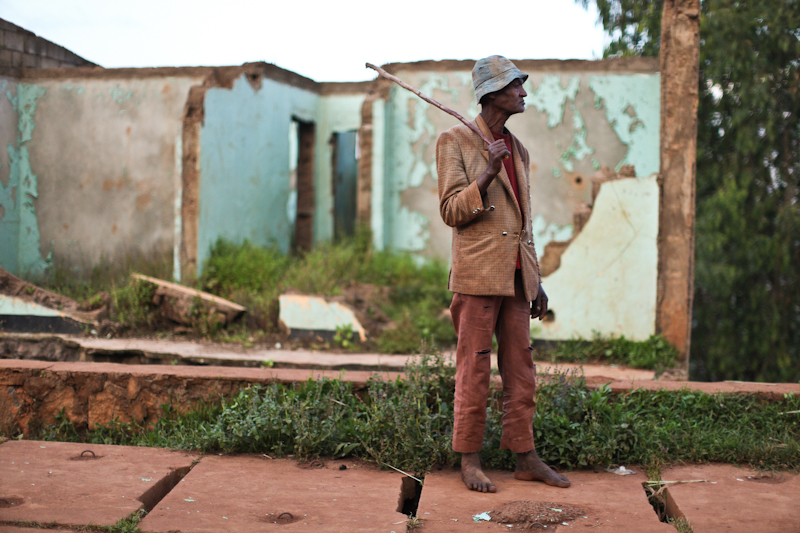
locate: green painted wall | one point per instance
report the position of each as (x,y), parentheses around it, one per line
(245,165)
(335,114)
(19,228)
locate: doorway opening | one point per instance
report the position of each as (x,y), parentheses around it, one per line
(345,183)
(301,183)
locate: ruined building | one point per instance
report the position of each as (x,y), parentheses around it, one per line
(108,163)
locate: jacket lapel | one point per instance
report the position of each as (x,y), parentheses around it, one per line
(502,175)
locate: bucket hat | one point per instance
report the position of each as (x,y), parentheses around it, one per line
(492,74)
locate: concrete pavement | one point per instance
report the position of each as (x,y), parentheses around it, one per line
(48,482)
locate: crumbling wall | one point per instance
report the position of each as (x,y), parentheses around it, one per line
(97,160)
(605,280)
(244,162)
(109,164)
(20,48)
(580,116)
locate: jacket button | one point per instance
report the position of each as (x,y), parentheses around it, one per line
(491,207)
(529,242)
(505,233)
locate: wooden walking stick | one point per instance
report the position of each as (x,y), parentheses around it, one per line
(431,101)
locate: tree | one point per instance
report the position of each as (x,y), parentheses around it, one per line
(746,322)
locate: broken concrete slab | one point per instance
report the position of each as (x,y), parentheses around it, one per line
(609,502)
(307,316)
(179,303)
(734,498)
(24,307)
(619,267)
(251,493)
(66,484)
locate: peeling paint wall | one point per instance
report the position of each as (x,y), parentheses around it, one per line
(580,116)
(96,160)
(576,121)
(91,165)
(9,216)
(20,229)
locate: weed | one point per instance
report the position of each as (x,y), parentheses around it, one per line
(83,283)
(255,277)
(681,524)
(344,336)
(412,522)
(655,353)
(129,524)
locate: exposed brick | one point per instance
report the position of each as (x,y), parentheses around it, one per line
(33,45)
(5,58)
(31,61)
(16,58)
(57,52)
(48,62)
(5,25)
(14,41)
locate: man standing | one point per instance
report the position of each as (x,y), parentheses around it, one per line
(484,196)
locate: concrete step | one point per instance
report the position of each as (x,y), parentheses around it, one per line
(146,351)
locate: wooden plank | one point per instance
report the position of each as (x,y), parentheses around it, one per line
(177,302)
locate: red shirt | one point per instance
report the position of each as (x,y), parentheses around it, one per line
(508,163)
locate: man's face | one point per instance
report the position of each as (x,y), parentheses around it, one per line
(510,99)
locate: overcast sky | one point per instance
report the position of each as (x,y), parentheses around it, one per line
(323,40)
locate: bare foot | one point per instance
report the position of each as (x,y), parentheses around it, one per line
(473,476)
(531,468)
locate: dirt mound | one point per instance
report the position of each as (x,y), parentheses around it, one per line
(529,514)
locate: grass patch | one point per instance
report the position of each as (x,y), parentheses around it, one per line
(655,353)
(408,423)
(417,293)
(681,524)
(129,524)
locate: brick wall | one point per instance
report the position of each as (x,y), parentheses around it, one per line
(20,48)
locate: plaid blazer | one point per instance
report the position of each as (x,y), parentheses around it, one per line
(489,229)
